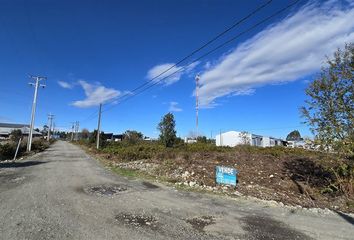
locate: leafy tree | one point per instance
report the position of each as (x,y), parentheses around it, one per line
(16,135)
(202,139)
(62,135)
(293,136)
(329,109)
(245,140)
(132,136)
(85,133)
(45,130)
(167,130)
(93,137)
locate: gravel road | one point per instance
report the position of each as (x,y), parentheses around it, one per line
(63,193)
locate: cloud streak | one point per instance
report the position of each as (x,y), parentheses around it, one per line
(180,71)
(286,51)
(95,94)
(65,85)
(174,107)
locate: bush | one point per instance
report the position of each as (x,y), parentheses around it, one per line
(39,145)
(7,151)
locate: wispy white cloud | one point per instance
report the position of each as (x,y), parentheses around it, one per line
(95,94)
(65,85)
(174,107)
(158,69)
(286,51)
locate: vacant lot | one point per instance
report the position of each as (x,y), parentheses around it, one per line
(291,176)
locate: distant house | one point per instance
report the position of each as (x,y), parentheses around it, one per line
(118,137)
(190,140)
(234,138)
(7,128)
(108,136)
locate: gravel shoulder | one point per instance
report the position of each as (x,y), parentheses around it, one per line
(62,193)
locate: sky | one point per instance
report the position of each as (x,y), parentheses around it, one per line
(100,51)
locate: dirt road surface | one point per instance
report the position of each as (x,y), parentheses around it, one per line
(63,193)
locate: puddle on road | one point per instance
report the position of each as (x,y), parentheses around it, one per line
(137,220)
(264,228)
(105,190)
(200,223)
(150,185)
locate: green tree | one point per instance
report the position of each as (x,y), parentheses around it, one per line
(245,139)
(62,135)
(132,136)
(93,137)
(167,130)
(16,135)
(293,136)
(45,130)
(329,109)
(202,139)
(85,133)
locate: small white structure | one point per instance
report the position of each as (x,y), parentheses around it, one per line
(234,138)
(190,140)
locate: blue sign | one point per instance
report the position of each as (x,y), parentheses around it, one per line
(226,175)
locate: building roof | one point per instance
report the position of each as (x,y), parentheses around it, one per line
(13,125)
(6,129)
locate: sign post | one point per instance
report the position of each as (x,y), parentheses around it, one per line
(225,175)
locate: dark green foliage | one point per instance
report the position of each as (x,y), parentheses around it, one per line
(126,151)
(85,134)
(93,138)
(39,145)
(16,135)
(7,150)
(132,136)
(293,136)
(202,139)
(45,130)
(329,109)
(167,130)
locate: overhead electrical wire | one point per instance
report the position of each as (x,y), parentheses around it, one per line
(237,23)
(205,44)
(129,96)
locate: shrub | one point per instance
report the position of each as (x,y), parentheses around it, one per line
(39,145)
(7,151)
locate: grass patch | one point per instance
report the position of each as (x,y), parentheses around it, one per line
(129,173)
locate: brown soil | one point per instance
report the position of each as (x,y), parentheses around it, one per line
(293,177)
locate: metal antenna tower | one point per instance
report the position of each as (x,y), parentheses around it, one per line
(196,103)
(50,119)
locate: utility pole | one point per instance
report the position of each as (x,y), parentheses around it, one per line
(99,127)
(77,126)
(50,119)
(37,79)
(72,131)
(196,103)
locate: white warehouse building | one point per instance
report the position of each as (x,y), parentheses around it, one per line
(234,138)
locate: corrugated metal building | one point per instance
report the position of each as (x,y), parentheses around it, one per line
(7,128)
(234,138)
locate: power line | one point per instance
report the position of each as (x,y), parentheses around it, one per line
(237,23)
(206,44)
(90,117)
(207,53)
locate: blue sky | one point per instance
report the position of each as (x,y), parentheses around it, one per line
(97,51)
